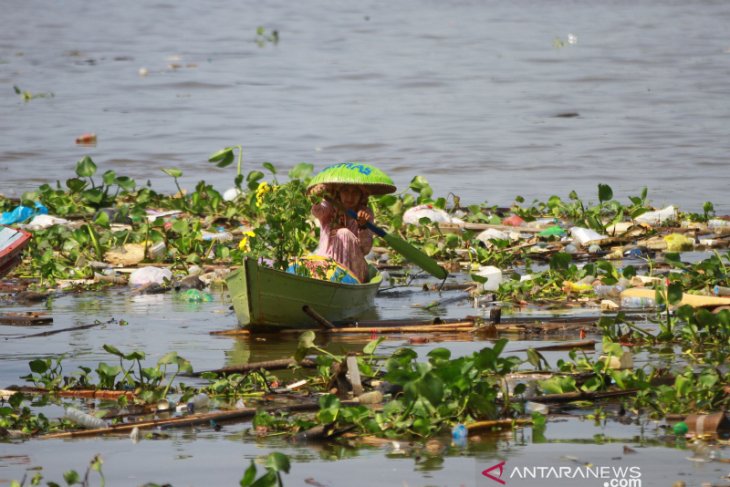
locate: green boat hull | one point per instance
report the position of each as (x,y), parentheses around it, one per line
(268,298)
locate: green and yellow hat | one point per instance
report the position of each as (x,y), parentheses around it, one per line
(370,177)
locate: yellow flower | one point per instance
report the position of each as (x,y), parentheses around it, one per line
(244,243)
(262,189)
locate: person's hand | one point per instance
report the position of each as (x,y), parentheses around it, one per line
(362,218)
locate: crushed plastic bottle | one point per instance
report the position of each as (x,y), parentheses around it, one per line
(459,434)
(82,419)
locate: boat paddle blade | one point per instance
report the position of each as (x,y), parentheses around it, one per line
(407,250)
(416,256)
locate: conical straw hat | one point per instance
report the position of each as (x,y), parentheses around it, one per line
(373,179)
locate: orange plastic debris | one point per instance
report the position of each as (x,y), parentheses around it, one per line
(86,139)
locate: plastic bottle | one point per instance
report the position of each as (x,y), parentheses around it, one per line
(198,401)
(605,291)
(82,419)
(634,302)
(458,434)
(195,296)
(721,291)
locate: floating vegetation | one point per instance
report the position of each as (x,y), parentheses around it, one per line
(616,260)
(28,96)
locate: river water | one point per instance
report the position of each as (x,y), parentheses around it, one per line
(486,99)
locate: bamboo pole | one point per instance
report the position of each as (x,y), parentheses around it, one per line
(580,396)
(561,346)
(473,428)
(279,364)
(80,393)
(190,420)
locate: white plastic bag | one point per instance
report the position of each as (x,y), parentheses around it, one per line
(149,275)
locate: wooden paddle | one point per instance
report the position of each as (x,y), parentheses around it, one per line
(407,250)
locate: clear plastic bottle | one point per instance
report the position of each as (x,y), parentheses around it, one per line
(82,419)
(634,302)
(606,291)
(198,401)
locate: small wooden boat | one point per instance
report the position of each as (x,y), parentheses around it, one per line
(12,243)
(266,298)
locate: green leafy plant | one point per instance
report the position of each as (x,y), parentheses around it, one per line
(275,464)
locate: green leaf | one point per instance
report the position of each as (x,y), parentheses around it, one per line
(168,358)
(112,350)
(126,183)
(102,219)
(270,167)
(172,172)
(269,479)
(28,198)
(629,272)
(418,184)
(181,226)
(682,385)
(605,193)
(85,167)
(430,387)
(253,179)
(71,477)
(39,366)
(248,476)
(674,293)
(478,278)
(370,347)
(278,462)
(306,339)
(108,177)
(439,355)
(135,355)
(75,184)
(560,261)
(223,157)
(301,171)
(94,196)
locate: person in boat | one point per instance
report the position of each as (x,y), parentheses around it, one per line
(344,239)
